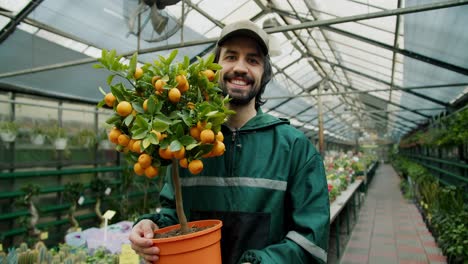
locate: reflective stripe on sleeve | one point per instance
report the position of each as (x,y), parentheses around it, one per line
(235,181)
(307,245)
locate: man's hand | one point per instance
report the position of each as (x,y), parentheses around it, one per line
(141,242)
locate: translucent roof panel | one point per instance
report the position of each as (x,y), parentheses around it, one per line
(375,59)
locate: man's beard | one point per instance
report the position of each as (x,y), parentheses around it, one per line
(237,99)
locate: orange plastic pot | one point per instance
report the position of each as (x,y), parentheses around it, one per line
(199,247)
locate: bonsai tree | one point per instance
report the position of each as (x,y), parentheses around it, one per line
(165,114)
(30,191)
(72,192)
(98,187)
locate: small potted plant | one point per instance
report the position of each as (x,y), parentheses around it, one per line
(85,138)
(8,131)
(38,135)
(57,135)
(171,116)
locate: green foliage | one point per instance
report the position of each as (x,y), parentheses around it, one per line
(450,131)
(72,191)
(444,207)
(55,132)
(85,137)
(9,127)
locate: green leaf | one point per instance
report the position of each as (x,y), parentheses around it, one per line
(114,119)
(171,56)
(98,66)
(118,92)
(132,65)
(212,113)
(139,134)
(128,120)
(141,123)
(175,145)
(186,62)
(110,78)
(163,119)
(101,104)
(153,139)
(146,143)
(138,107)
(191,146)
(102,91)
(160,126)
(187,140)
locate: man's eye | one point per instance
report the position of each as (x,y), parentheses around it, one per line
(253,61)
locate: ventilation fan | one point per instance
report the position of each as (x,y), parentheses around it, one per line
(155,23)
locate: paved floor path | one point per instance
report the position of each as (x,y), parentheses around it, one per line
(389,228)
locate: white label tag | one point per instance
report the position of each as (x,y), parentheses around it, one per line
(109,214)
(81,200)
(107,191)
(44,235)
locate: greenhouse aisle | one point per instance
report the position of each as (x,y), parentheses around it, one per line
(389,228)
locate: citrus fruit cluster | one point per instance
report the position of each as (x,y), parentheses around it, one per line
(165,112)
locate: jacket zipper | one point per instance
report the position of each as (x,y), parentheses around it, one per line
(232,149)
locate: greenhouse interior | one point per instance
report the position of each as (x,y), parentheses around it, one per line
(378,87)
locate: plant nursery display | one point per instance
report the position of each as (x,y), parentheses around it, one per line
(168,113)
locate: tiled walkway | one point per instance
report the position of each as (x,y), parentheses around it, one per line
(389,228)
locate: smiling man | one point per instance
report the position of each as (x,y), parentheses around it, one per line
(269,188)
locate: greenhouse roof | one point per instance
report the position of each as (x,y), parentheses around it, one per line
(379,68)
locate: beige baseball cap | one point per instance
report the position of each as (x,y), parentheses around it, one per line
(245,28)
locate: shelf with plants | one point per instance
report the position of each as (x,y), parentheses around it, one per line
(443,206)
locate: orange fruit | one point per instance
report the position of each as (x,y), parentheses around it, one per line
(180,154)
(201,125)
(190,105)
(124,108)
(181,81)
(207,136)
(195,132)
(151,172)
(185,88)
(138,73)
(114,135)
(159,85)
(145,105)
(183,163)
(138,169)
(218,148)
(220,136)
(144,160)
(158,134)
(195,166)
(174,95)
(136,147)
(123,140)
(154,79)
(209,74)
(130,144)
(109,99)
(165,153)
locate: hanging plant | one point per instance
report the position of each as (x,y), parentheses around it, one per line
(8,131)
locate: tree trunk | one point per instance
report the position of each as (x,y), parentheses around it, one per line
(97,210)
(184,229)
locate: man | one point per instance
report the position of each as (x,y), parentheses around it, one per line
(269,188)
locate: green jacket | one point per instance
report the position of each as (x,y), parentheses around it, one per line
(270,191)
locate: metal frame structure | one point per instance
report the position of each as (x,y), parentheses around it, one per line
(344,80)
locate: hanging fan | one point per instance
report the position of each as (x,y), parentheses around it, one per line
(155,23)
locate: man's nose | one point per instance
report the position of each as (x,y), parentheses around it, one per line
(240,66)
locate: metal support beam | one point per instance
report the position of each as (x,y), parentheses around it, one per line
(11,26)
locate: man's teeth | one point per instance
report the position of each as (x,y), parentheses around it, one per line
(239,82)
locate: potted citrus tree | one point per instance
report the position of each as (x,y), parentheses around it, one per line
(171,114)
